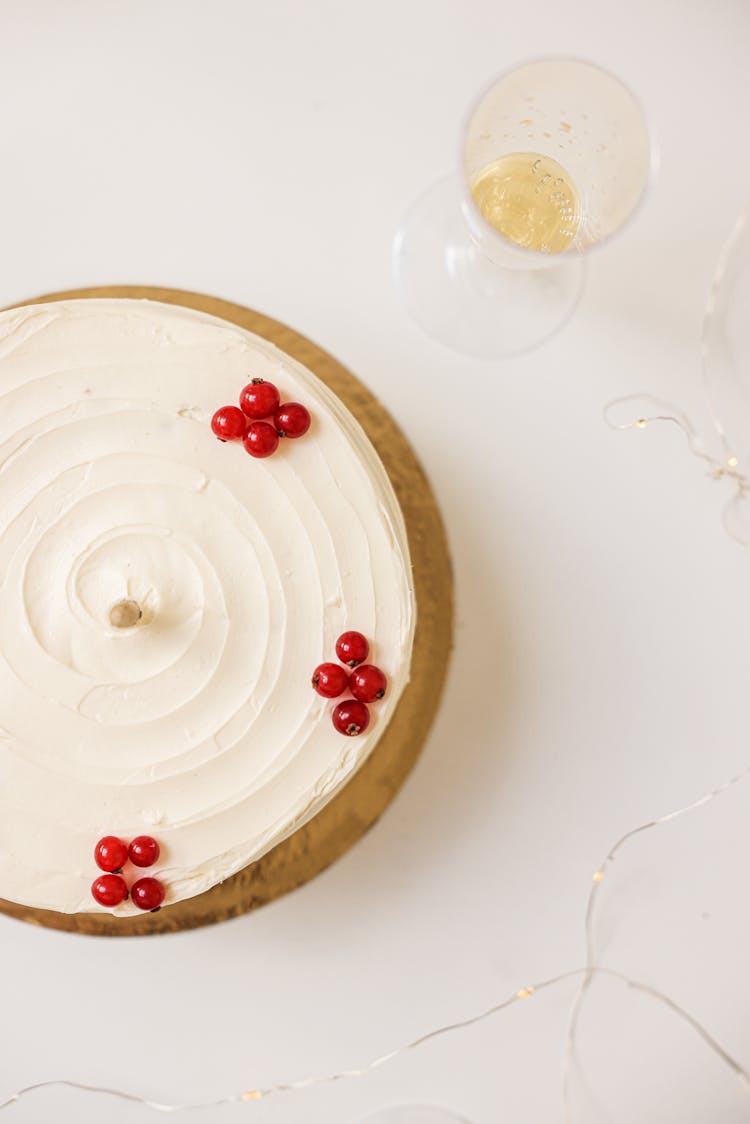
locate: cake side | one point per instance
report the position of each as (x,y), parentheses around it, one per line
(201,728)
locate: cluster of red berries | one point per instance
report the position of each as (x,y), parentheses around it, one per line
(365,682)
(110,888)
(260,419)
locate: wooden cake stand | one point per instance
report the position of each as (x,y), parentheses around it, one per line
(356,808)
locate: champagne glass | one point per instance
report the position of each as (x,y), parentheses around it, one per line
(415,1114)
(555,158)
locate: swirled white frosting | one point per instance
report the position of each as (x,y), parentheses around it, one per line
(198,725)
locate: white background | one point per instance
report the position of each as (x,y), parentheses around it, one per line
(265,152)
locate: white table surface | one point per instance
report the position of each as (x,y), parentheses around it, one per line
(264,152)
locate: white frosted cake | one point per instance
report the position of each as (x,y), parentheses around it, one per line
(196,723)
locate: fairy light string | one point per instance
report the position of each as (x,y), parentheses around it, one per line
(591,969)
(668,413)
(585,975)
(295,1086)
(728,466)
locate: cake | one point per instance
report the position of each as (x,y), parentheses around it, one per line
(193,722)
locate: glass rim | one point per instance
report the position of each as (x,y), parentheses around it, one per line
(491,232)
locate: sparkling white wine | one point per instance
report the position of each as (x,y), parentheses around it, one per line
(530,199)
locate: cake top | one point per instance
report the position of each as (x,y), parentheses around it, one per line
(195,723)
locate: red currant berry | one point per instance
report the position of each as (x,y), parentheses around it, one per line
(261,440)
(143,851)
(229,423)
(259,399)
(351,717)
(352,648)
(147,893)
(110,854)
(330,680)
(109,890)
(366,684)
(291,420)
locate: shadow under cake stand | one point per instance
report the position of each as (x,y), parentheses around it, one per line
(356,808)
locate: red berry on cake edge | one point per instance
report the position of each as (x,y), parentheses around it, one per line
(229,423)
(330,680)
(367,683)
(352,648)
(259,399)
(292,419)
(147,894)
(109,890)
(351,717)
(111,854)
(143,851)
(261,439)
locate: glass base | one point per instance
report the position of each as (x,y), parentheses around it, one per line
(464,300)
(415,1114)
